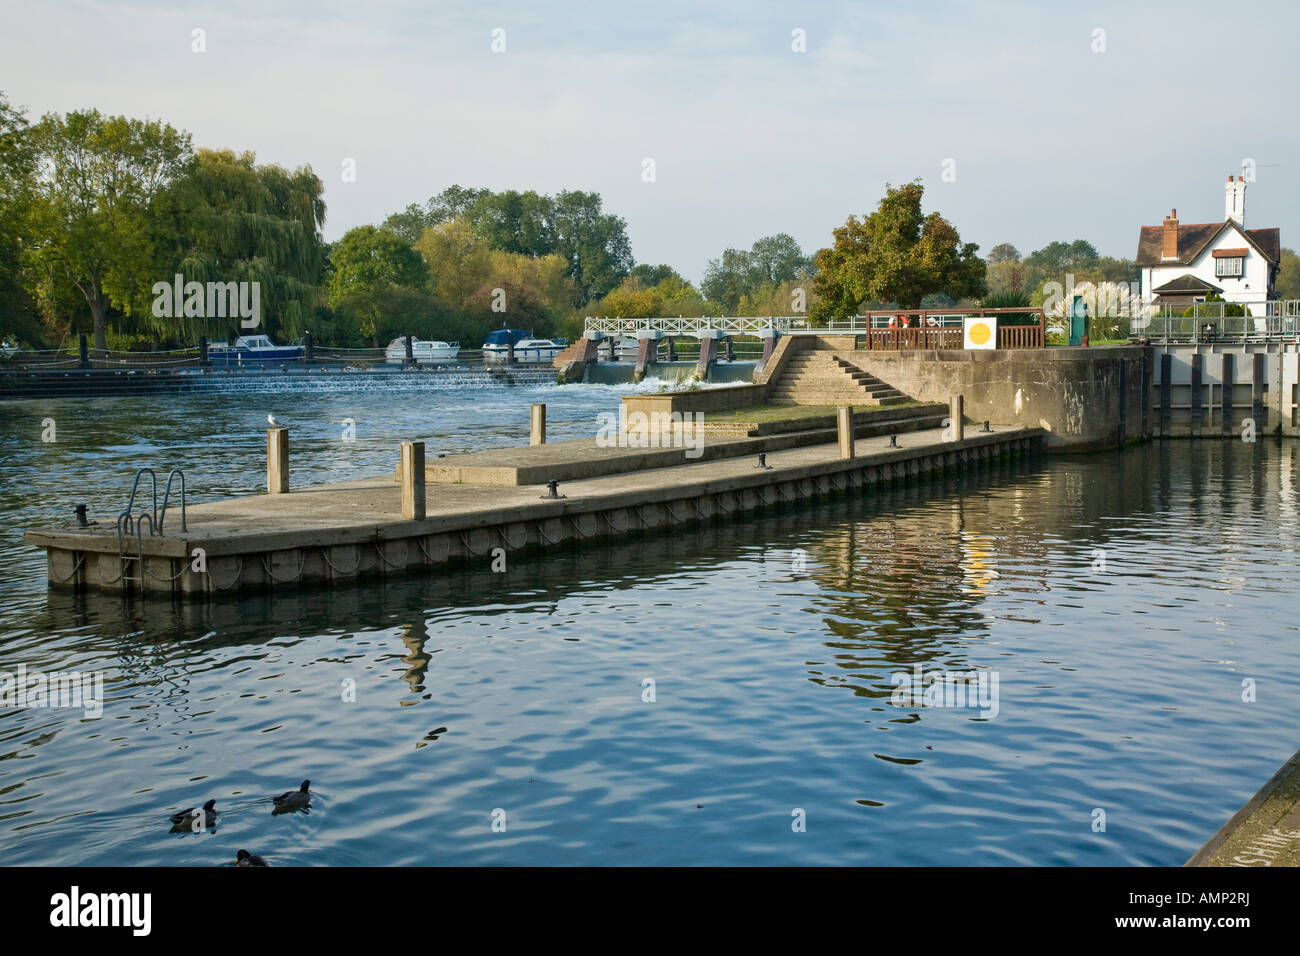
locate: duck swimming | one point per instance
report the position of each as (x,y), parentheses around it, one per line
(194,818)
(294,799)
(244,858)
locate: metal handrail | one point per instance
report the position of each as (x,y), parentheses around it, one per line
(130,503)
(162,515)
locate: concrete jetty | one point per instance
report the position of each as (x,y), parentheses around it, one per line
(1266,831)
(351,532)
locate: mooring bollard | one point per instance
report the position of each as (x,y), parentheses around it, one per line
(413,480)
(956,416)
(277,460)
(844,421)
(537,424)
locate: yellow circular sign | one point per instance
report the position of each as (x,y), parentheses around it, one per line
(980,333)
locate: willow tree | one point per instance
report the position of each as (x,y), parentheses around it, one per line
(231,220)
(97,190)
(896,254)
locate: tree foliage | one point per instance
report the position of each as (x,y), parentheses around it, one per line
(570,224)
(94,215)
(18,320)
(739,274)
(234,221)
(895,255)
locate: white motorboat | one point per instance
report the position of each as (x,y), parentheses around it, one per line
(526,350)
(425,351)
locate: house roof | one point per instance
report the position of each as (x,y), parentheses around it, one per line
(1186,284)
(1193,237)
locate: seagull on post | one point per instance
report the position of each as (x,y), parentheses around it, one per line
(272,421)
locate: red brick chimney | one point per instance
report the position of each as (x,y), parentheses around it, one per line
(1170,249)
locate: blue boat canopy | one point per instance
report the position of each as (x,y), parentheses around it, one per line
(506,336)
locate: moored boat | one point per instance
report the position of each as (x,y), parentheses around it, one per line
(253,349)
(526,348)
(425,351)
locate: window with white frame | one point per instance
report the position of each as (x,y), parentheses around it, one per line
(1229,267)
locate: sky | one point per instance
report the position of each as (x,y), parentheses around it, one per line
(1027,123)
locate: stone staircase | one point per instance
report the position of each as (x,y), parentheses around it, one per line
(819,377)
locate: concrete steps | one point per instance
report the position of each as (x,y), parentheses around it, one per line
(822,378)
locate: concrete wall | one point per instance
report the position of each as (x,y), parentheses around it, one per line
(727,398)
(1087,399)
(786,346)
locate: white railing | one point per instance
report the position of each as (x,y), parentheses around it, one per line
(680,325)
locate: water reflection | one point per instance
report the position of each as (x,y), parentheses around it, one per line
(472,690)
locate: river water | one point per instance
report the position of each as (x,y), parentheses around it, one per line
(718,695)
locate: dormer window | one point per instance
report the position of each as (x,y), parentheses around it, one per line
(1229,268)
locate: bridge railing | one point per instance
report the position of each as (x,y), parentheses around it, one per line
(893,329)
(691,327)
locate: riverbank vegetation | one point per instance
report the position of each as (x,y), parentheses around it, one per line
(96,210)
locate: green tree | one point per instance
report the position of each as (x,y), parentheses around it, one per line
(1287,285)
(17,188)
(594,243)
(451,203)
(753,274)
(777,259)
(231,220)
(515,222)
(1061,257)
(95,218)
(1003,252)
(897,255)
(650,276)
(727,279)
(368,265)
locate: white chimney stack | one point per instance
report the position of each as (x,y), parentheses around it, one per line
(1235,201)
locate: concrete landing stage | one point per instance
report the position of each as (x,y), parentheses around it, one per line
(353,531)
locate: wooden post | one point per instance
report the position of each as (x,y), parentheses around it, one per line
(537,424)
(844,422)
(84,360)
(410,351)
(309,349)
(277,460)
(413,480)
(957,416)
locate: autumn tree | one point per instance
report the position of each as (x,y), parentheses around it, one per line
(896,254)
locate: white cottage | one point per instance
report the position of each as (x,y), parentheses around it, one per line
(1182,263)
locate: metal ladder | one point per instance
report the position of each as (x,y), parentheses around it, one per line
(130,525)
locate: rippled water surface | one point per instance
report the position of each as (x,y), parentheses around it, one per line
(520,696)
